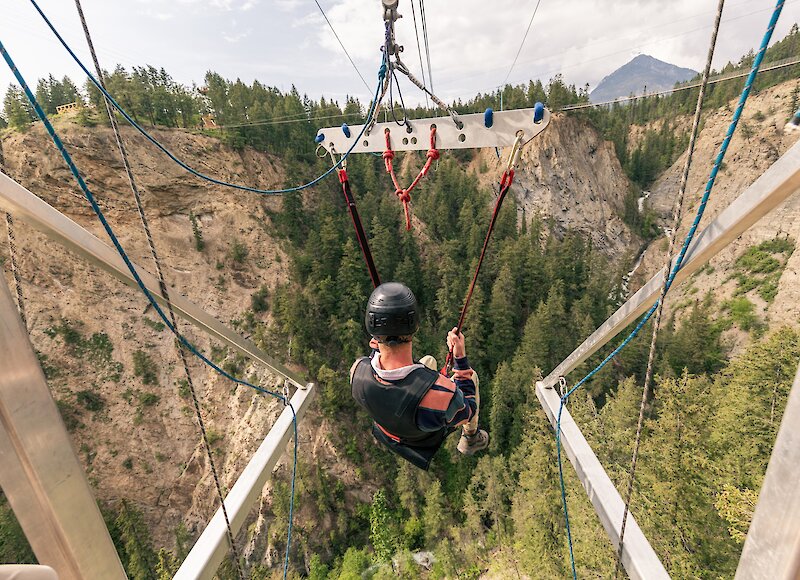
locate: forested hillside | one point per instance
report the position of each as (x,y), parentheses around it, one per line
(290,275)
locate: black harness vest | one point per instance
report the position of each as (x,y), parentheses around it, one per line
(394,410)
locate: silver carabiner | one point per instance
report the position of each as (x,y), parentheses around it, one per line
(562,386)
(516,149)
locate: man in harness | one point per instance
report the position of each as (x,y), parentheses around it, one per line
(413,406)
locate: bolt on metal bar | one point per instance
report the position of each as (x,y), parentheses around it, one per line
(27,207)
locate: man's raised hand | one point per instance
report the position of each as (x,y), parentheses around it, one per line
(455,343)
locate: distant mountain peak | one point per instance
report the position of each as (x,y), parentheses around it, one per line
(642,71)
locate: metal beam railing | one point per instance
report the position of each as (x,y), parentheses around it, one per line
(776,184)
(210,549)
(27,207)
(638,557)
(212,545)
(772,548)
(39,471)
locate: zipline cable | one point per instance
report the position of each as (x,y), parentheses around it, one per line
(676,221)
(325,16)
(678,262)
(164,292)
(419,50)
(12,251)
(521,44)
(172,156)
(424,19)
(138,280)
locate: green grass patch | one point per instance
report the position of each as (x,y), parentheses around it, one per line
(97,349)
(156,325)
(760,268)
(145,368)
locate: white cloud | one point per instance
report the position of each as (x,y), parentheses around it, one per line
(234,38)
(161,16)
(473,43)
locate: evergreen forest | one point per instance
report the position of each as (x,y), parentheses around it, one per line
(710,423)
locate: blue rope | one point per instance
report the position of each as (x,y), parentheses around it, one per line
(132,269)
(168,153)
(679,260)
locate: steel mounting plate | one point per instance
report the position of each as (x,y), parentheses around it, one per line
(416,137)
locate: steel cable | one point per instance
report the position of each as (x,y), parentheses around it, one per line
(164,291)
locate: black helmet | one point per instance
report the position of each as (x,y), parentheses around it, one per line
(392,312)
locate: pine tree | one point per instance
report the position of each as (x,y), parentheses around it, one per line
(502,312)
(16,109)
(536,503)
(141,560)
(435,516)
(382,534)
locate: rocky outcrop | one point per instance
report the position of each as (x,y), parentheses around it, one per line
(759,141)
(571,177)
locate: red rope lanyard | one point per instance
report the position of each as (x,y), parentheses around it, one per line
(360,235)
(404,195)
(505,185)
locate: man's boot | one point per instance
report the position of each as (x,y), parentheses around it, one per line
(471,444)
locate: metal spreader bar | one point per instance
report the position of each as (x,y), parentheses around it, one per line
(498,129)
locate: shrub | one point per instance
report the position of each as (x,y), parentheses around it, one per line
(238,252)
(199,243)
(91,401)
(156,325)
(214,436)
(144,367)
(148,399)
(258,301)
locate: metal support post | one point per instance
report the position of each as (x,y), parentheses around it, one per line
(210,549)
(39,471)
(772,548)
(638,557)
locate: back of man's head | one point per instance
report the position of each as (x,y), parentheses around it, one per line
(392,314)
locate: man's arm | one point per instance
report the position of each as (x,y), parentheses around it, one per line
(450,402)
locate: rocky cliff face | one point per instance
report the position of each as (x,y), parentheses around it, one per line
(571,177)
(759,141)
(130,417)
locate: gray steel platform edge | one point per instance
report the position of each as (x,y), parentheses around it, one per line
(213,544)
(772,548)
(638,557)
(39,471)
(774,186)
(27,207)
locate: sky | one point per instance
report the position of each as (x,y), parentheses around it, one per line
(472,42)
